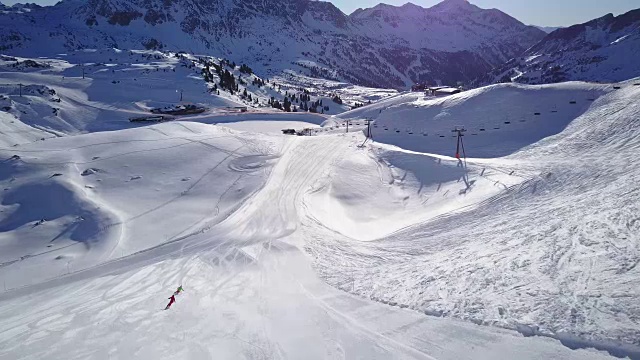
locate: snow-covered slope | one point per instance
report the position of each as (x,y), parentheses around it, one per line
(537,232)
(499,119)
(602,50)
(249,290)
(556,249)
(384,46)
(93,197)
(100,196)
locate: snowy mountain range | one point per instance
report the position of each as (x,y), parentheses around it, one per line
(18,8)
(384,46)
(602,50)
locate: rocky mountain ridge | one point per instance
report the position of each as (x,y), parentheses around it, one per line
(385,46)
(606,49)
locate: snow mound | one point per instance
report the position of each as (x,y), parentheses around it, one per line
(91,171)
(499,119)
(251,163)
(371,195)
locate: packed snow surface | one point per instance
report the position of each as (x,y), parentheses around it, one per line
(318,247)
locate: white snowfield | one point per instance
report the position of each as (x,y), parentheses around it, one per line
(316,247)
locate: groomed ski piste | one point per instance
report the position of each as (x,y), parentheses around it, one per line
(320,247)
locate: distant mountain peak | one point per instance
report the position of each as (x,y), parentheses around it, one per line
(454,3)
(448,5)
(411,10)
(411,6)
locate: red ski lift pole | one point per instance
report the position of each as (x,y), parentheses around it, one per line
(460,131)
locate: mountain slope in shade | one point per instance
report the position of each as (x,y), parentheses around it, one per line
(385,46)
(606,49)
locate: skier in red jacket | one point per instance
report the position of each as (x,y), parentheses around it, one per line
(172,299)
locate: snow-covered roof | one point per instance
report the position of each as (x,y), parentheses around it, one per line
(448,90)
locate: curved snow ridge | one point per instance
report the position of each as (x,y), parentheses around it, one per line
(369,195)
(607,128)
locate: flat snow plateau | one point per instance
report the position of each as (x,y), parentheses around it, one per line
(317,247)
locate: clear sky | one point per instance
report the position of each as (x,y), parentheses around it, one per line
(534,12)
